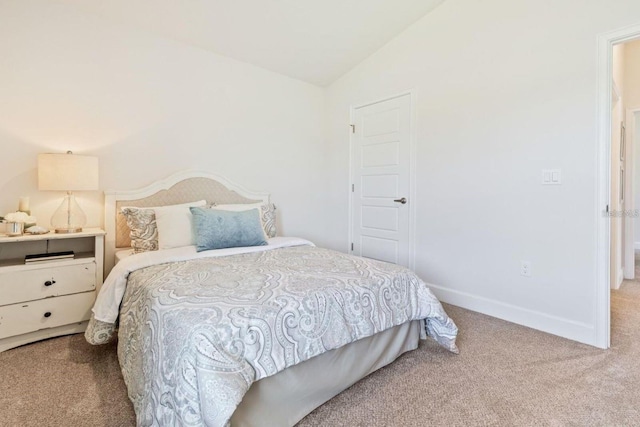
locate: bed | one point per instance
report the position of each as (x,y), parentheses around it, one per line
(248,336)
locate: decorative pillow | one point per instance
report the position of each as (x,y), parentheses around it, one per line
(175,225)
(219,229)
(267,214)
(143,231)
(143,228)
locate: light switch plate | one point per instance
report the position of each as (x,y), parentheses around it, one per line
(551,177)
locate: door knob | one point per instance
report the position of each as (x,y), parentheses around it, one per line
(403,200)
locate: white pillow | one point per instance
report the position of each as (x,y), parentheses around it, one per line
(175,225)
(241,207)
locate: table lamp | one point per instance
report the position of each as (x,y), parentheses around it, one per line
(67,172)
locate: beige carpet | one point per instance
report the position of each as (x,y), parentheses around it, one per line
(505,375)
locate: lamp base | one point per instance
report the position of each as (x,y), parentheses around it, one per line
(68,230)
(69,217)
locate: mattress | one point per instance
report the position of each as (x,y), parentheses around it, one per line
(122,254)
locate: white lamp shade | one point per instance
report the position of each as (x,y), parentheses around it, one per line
(67,172)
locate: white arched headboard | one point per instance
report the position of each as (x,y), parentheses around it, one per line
(181,187)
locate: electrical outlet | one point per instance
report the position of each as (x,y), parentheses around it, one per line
(525,268)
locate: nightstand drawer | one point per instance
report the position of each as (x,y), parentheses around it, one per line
(46,280)
(19,319)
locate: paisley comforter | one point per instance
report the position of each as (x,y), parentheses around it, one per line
(195,334)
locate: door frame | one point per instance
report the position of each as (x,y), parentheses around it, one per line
(606,41)
(412,169)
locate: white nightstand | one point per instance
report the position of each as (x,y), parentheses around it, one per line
(48,298)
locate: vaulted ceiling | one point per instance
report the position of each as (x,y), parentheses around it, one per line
(311,40)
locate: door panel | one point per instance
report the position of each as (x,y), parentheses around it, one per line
(382,122)
(379,186)
(380,249)
(380,173)
(381,154)
(381,218)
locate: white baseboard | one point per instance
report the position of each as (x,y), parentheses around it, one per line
(566,328)
(619,279)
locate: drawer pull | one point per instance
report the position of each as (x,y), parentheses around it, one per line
(47,314)
(49,282)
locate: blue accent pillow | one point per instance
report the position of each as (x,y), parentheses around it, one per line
(227,229)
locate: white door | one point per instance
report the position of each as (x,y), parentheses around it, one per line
(380,165)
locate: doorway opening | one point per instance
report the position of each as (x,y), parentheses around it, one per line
(625,99)
(616,170)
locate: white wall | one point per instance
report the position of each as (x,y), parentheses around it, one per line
(504,89)
(632,74)
(618,62)
(148,107)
